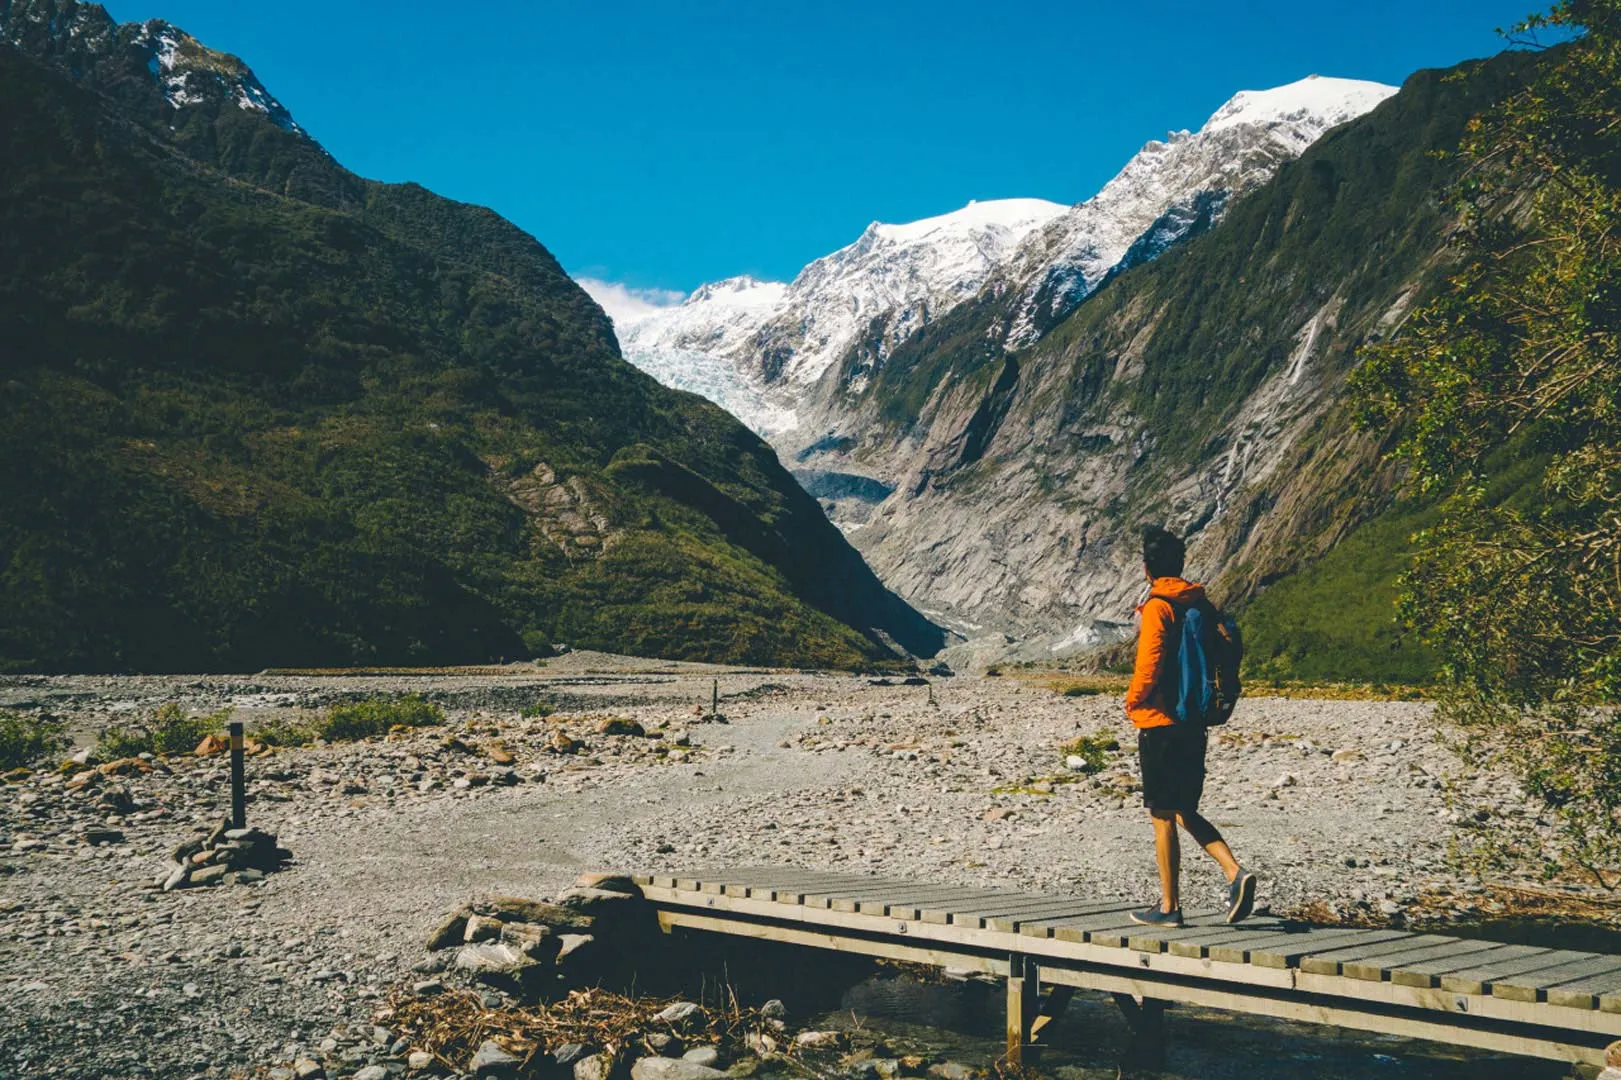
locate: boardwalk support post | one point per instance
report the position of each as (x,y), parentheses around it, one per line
(1023,1006)
(1146,1018)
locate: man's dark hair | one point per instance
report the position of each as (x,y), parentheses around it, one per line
(1163,552)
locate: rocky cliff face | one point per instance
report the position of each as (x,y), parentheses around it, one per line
(1201,389)
(799,362)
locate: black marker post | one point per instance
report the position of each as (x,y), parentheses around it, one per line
(239,808)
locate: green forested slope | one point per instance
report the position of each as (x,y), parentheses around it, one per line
(245,429)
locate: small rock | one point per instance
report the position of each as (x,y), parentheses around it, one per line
(665,1068)
(595,901)
(571,944)
(1345,755)
(593,1067)
(209,875)
(308,1069)
(490,956)
(1288,779)
(951,1070)
(819,1040)
(211,744)
(707,1056)
(620,725)
(428,988)
(680,1014)
(774,1010)
(480,928)
(569,1053)
(760,1044)
(492,1060)
(450,931)
(418,1060)
(372,1072)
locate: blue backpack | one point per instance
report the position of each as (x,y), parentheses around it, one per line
(1208,653)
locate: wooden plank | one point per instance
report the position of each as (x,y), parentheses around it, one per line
(1157,939)
(1010,923)
(1235,948)
(976,915)
(1428,973)
(919,953)
(908,903)
(821,893)
(1378,969)
(1121,935)
(1586,992)
(847,895)
(1198,944)
(1479,979)
(940,910)
(1330,961)
(1532,986)
(1288,953)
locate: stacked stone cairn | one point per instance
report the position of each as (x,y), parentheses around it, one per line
(602,936)
(593,934)
(238,856)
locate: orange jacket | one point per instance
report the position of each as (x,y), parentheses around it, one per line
(1149,697)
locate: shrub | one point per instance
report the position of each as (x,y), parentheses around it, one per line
(375,716)
(1093,749)
(170,730)
(1082,691)
(539,710)
(25,740)
(280,731)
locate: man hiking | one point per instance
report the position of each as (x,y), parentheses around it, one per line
(1172,753)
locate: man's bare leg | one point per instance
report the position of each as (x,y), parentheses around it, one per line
(1206,836)
(1168,849)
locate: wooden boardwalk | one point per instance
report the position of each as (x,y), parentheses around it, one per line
(1518,999)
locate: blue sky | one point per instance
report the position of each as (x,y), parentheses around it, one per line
(662,145)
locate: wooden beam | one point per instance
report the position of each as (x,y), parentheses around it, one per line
(1312,1012)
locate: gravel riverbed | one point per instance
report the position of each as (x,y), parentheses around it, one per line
(1352,804)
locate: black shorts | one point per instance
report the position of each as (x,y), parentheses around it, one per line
(1172,759)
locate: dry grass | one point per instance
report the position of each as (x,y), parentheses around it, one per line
(452,1026)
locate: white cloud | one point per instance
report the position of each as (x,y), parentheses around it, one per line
(626,305)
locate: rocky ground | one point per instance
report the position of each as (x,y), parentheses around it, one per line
(1351,804)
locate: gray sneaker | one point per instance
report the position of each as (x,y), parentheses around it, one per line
(1155,917)
(1241,897)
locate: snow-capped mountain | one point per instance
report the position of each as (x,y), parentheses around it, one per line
(893,279)
(761,348)
(1172,188)
(752,346)
(85,39)
(190,73)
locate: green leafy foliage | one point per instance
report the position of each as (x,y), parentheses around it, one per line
(282,731)
(169,730)
(376,716)
(25,740)
(1522,600)
(354,424)
(1093,750)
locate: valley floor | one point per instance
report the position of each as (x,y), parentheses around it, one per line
(104,975)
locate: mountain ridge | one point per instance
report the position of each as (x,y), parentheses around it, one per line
(267,413)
